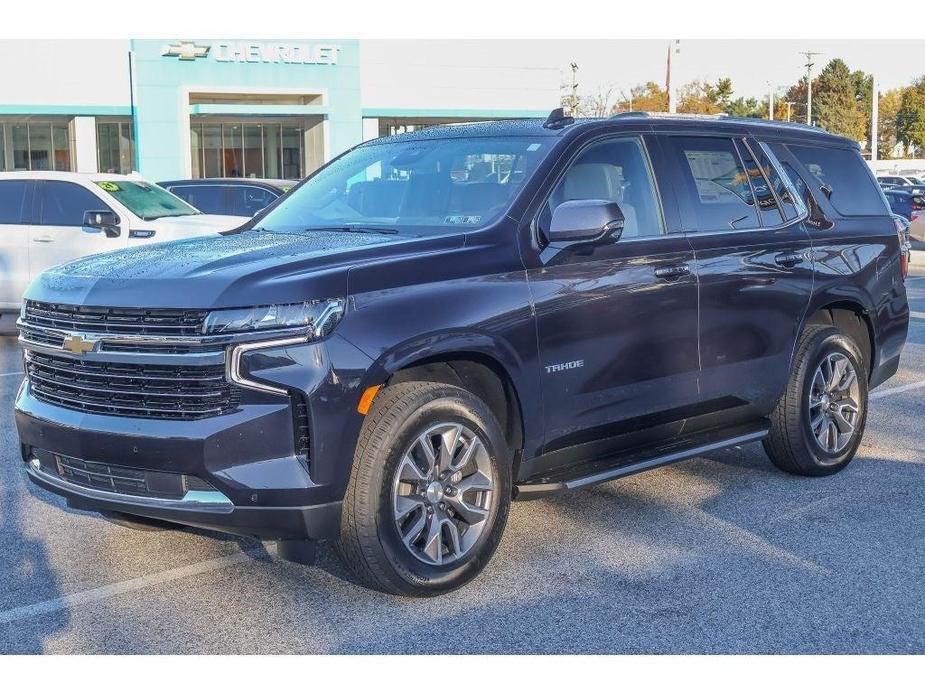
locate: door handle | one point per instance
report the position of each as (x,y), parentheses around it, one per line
(788,259)
(672,272)
(44,239)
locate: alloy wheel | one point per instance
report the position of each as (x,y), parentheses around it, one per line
(442,493)
(834,403)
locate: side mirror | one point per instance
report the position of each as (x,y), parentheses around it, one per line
(106,221)
(585,220)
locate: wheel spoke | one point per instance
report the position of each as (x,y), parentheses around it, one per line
(816,423)
(427,448)
(470,513)
(452,542)
(474,446)
(433,542)
(847,381)
(410,536)
(477,481)
(841,422)
(448,441)
(406,504)
(409,472)
(838,372)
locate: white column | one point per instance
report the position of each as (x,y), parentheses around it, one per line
(874,118)
(370,129)
(85,144)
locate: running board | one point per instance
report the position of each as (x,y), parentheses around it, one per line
(526,490)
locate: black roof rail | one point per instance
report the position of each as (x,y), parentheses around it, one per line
(557,119)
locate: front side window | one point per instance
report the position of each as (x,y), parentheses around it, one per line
(843,177)
(146,200)
(617,171)
(12,196)
(205,198)
(415,186)
(65,204)
(717,183)
(249,200)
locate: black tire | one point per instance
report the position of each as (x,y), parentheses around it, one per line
(370,544)
(791,444)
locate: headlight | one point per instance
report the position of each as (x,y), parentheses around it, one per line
(318,317)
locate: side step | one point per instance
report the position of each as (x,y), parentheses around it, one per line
(623,467)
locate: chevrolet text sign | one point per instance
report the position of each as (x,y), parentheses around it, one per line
(248,52)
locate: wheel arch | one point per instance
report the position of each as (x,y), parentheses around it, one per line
(852,318)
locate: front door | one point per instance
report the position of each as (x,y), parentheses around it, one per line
(754,263)
(616,319)
(59,235)
(15,201)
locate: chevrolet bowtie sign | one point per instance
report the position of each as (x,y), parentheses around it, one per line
(245,52)
(76,344)
(185,50)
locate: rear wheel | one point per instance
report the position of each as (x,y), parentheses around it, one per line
(430,490)
(818,422)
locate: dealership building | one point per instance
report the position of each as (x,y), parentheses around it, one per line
(180,107)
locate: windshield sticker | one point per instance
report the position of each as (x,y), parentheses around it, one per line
(109,186)
(532,148)
(463,219)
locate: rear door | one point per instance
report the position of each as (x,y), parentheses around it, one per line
(59,234)
(15,205)
(754,264)
(616,319)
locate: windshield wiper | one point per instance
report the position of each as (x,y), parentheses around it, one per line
(355,229)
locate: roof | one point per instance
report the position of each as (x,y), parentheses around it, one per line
(535,127)
(278,183)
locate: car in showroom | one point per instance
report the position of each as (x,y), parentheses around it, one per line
(236,196)
(438,323)
(50,217)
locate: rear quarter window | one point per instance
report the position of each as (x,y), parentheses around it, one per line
(843,176)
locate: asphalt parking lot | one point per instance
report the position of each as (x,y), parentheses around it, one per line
(716,555)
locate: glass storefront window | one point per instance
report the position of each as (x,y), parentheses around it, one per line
(115,146)
(247,150)
(34,146)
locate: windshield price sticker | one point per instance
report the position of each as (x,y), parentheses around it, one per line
(463,219)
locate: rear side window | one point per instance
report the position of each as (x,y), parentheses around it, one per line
(208,199)
(768,209)
(12,196)
(844,178)
(249,200)
(64,204)
(718,184)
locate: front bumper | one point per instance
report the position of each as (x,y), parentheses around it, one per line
(248,455)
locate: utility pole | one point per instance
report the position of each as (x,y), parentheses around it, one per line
(770,102)
(789,106)
(809,84)
(673,47)
(874,119)
(573,99)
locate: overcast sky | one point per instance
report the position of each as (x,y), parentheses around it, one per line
(751,64)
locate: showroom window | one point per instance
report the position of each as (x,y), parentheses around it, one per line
(34,146)
(115,147)
(247,150)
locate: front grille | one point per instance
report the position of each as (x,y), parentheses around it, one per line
(300,428)
(122,480)
(115,321)
(131,390)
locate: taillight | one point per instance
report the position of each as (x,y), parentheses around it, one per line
(905,247)
(904,265)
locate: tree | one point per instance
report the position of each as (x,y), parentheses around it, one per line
(836,102)
(745,108)
(910,119)
(702,97)
(644,97)
(887,136)
(598,105)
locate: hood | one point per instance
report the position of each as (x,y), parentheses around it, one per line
(240,269)
(170,228)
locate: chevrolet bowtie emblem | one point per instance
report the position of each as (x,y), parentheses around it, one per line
(185,50)
(77,344)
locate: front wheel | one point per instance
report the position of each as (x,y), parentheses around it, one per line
(818,422)
(429,493)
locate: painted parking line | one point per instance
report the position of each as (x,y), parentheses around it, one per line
(917,314)
(108,591)
(877,394)
(12,373)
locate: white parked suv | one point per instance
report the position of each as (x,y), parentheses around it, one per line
(50,217)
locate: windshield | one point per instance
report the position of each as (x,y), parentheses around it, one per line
(147,200)
(415,187)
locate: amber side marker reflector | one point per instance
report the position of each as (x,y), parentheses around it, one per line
(366,400)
